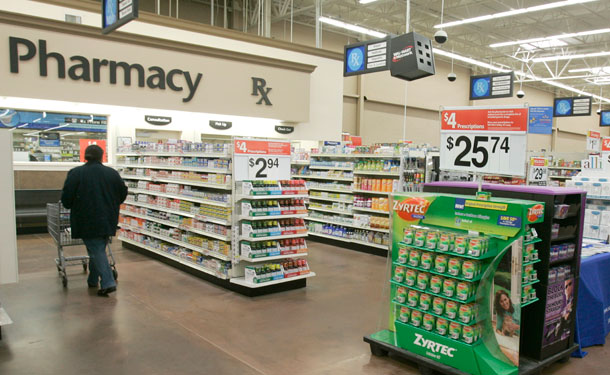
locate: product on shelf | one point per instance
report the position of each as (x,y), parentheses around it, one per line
(377,165)
(273,248)
(342,232)
(283,187)
(372,203)
(176,146)
(218,267)
(276,271)
(268,228)
(375,184)
(273,207)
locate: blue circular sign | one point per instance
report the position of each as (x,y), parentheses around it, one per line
(355,59)
(480,87)
(563,107)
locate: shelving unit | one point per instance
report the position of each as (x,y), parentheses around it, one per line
(333,205)
(179,205)
(283,246)
(538,346)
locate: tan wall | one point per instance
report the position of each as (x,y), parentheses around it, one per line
(350,108)
(39,179)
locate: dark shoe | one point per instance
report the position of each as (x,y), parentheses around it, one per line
(92,285)
(104,292)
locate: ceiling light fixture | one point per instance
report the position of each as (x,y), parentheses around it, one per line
(366,1)
(570,57)
(513,12)
(470,61)
(598,70)
(550,38)
(349,26)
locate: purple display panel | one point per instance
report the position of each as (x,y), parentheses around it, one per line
(559,312)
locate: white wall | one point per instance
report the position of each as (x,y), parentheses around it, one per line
(8,250)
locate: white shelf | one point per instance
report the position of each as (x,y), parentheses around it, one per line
(371,210)
(344,191)
(181,197)
(276,196)
(373,192)
(349,240)
(570,168)
(150,218)
(377,173)
(299,162)
(324,177)
(159,208)
(274,217)
(176,181)
(562,177)
(325,168)
(176,242)
(173,257)
(329,199)
(184,154)
(320,220)
(175,168)
(377,156)
(277,257)
(330,210)
(271,238)
(242,281)
(134,177)
(352,156)
(331,155)
(598,197)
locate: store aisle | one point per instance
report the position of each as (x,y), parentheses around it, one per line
(164,321)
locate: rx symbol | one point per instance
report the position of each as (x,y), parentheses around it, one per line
(258,88)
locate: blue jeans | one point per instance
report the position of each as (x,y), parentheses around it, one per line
(98,263)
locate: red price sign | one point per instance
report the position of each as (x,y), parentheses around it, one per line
(252,147)
(484,139)
(84,143)
(606,144)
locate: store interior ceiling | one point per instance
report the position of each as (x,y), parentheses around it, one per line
(569,56)
(545,60)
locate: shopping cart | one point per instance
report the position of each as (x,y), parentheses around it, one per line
(58,225)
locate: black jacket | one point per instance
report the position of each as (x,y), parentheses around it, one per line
(94,193)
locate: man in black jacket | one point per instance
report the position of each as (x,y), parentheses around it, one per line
(94,194)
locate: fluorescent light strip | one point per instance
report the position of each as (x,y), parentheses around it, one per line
(569,57)
(513,12)
(469,60)
(349,26)
(366,1)
(549,38)
(601,69)
(517,73)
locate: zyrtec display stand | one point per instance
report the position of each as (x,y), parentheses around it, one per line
(462,270)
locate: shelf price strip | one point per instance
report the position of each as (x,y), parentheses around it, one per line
(484,139)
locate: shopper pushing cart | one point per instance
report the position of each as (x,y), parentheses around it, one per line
(94,193)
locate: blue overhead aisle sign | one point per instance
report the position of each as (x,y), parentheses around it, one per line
(116,13)
(540,120)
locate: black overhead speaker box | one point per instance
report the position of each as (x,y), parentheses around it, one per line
(412,57)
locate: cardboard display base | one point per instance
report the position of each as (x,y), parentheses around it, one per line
(249,292)
(380,343)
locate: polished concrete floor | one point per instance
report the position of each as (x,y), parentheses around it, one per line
(164,321)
